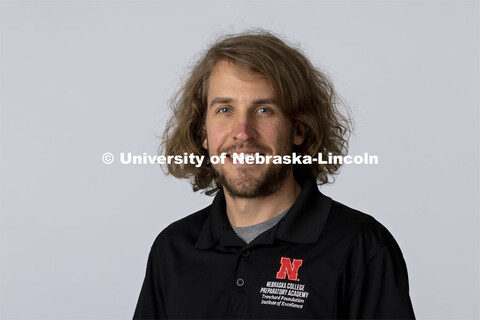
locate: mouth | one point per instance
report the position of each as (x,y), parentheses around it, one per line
(244,154)
(245,157)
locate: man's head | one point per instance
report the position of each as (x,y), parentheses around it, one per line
(252,93)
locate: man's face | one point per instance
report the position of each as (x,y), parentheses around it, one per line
(243,117)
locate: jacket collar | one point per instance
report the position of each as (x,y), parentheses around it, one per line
(303,223)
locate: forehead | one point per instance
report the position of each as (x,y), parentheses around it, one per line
(231,79)
(224,66)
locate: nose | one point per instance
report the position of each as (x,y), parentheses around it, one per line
(244,128)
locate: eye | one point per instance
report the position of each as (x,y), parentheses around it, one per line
(264,110)
(224,110)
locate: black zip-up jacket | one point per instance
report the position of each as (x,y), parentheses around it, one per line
(323,260)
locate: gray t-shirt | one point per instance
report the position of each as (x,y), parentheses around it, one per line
(249,233)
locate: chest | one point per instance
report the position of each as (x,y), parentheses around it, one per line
(285,281)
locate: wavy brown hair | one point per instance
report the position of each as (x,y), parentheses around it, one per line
(304,95)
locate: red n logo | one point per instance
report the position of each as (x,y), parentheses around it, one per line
(287,268)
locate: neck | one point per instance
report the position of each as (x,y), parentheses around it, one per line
(243,212)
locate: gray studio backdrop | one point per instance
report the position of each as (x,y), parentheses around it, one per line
(82,78)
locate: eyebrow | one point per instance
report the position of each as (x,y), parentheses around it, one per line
(220,101)
(255,102)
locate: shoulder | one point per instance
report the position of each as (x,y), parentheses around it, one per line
(364,238)
(359,231)
(185,229)
(349,222)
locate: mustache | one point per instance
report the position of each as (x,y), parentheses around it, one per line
(252,145)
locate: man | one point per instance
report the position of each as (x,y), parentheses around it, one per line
(270,245)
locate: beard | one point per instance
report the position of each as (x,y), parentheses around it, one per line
(246,183)
(247,186)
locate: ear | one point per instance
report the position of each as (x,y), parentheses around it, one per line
(299,133)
